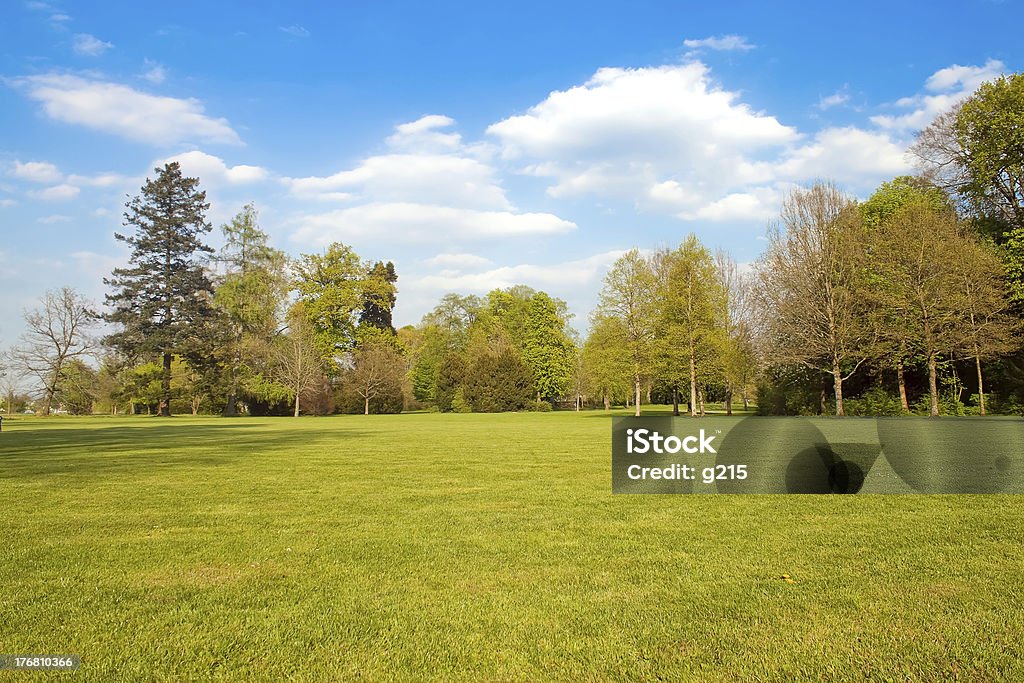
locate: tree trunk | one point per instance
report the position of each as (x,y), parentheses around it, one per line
(746,401)
(366,405)
(822,405)
(675,400)
(728,400)
(607,401)
(165,387)
(700,400)
(636,395)
(693,385)
(933,384)
(981,382)
(296,404)
(837,376)
(903,386)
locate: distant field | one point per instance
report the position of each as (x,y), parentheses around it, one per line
(483,547)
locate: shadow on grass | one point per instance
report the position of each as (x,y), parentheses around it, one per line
(77,451)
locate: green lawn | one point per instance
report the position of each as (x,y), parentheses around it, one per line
(479,547)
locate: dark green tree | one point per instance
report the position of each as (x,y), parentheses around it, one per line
(163,300)
(379,296)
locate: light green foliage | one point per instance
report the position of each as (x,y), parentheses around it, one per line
(989,131)
(894,194)
(691,336)
(630,295)
(330,287)
(548,352)
(606,360)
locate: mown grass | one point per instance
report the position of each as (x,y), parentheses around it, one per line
(481,547)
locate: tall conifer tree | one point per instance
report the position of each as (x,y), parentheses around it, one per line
(162,300)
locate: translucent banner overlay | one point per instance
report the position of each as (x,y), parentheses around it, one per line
(817,455)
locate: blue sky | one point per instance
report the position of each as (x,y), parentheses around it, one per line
(477,145)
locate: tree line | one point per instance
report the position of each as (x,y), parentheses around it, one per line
(910,301)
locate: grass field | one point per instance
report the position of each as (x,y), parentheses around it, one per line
(480,547)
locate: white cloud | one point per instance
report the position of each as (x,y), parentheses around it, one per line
(660,112)
(849,155)
(423,135)
(36,171)
(671,140)
(89,46)
(295,31)
(155,72)
(57,193)
(757,204)
(52,219)
(212,169)
(423,223)
(964,77)
(458,261)
(567,276)
(425,166)
(950,86)
(834,100)
(124,111)
(6,203)
(427,178)
(59,17)
(100,180)
(722,43)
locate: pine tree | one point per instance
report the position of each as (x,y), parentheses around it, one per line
(162,301)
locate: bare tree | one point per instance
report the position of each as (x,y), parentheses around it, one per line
(56,333)
(377,370)
(810,289)
(298,363)
(739,363)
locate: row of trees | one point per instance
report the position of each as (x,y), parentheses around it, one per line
(244,327)
(904,291)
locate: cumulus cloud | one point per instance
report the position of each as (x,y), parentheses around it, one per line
(426,164)
(458,261)
(567,276)
(948,87)
(671,140)
(36,171)
(726,43)
(126,112)
(89,46)
(423,223)
(57,193)
(212,169)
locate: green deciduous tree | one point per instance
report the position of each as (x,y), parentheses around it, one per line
(630,295)
(162,302)
(547,349)
(330,286)
(251,293)
(690,321)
